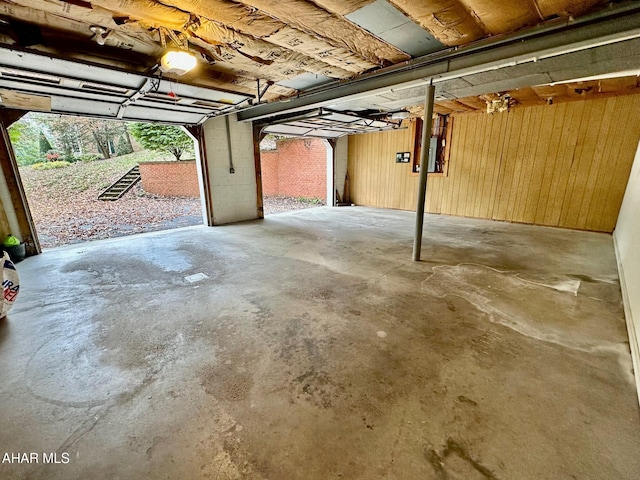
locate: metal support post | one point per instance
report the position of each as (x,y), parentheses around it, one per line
(424,159)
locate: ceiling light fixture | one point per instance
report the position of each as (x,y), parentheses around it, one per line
(177,62)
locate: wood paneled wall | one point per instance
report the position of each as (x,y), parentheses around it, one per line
(375,179)
(564,165)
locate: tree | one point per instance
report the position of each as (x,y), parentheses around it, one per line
(123,145)
(45,145)
(72,135)
(161,137)
(65,133)
(25,139)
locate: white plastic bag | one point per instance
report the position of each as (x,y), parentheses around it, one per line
(10,284)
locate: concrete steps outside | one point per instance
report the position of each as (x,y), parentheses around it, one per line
(121,186)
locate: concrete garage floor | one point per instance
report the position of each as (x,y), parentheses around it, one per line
(315,349)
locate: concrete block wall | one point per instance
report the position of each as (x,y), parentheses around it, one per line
(297,168)
(340,169)
(233,195)
(173,179)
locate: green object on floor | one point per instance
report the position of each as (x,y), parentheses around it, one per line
(11,241)
(15,249)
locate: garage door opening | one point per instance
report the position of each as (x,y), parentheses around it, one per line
(89,179)
(294,173)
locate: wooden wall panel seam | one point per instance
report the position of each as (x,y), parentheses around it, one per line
(622,162)
(558,114)
(560,165)
(569,142)
(538,164)
(494,198)
(576,163)
(596,157)
(601,173)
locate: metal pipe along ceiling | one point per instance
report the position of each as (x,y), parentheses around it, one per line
(553,39)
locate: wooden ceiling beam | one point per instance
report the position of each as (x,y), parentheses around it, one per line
(609,85)
(456,106)
(439,109)
(567,8)
(476,103)
(526,97)
(153,13)
(450,21)
(504,17)
(311,18)
(250,21)
(342,7)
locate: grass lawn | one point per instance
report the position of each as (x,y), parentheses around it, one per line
(82,176)
(65,207)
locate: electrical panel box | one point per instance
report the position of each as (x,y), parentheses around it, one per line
(433,154)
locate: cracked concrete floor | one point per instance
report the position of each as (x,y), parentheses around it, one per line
(315,349)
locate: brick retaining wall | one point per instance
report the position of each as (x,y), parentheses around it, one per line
(297,168)
(172,179)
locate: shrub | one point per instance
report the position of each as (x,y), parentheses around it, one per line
(84,158)
(52,156)
(50,165)
(24,160)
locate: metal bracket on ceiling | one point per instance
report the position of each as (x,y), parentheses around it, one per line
(260,93)
(227,111)
(151,84)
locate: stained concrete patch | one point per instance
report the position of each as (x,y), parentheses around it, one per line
(225,382)
(510,300)
(455,462)
(493,366)
(78,377)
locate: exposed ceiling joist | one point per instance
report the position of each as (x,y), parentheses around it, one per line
(532,47)
(309,53)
